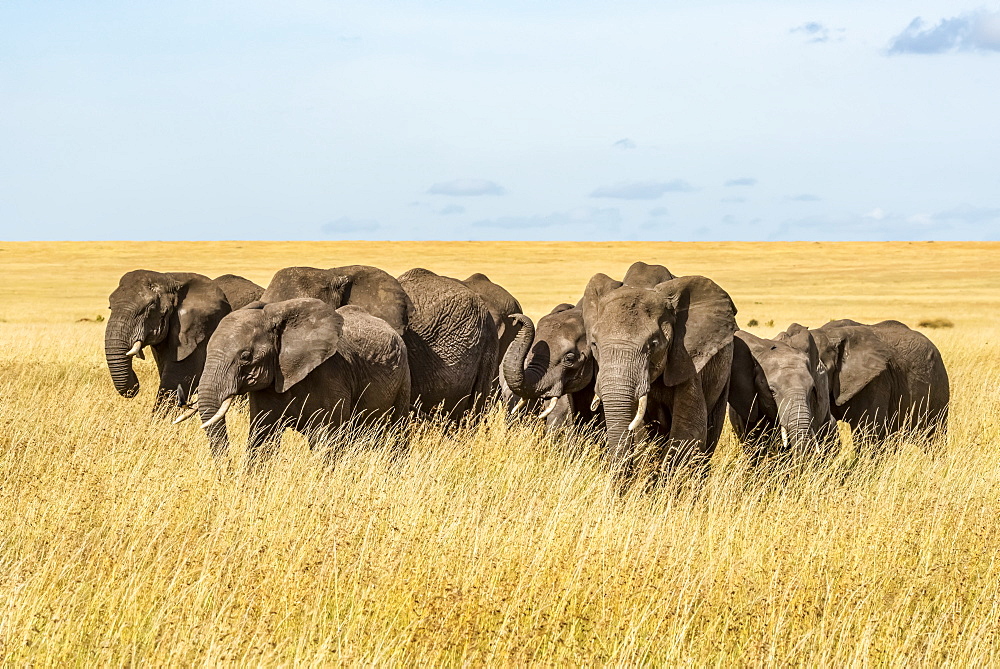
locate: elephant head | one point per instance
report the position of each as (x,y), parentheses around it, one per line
(263,346)
(552,360)
(503,307)
(854,355)
(781,386)
(646,337)
(172,312)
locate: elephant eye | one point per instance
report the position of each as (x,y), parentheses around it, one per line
(245,356)
(570,356)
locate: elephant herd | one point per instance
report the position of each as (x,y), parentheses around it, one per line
(652,361)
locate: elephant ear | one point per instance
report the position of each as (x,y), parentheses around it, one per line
(200,307)
(598,286)
(742,388)
(803,341)
(704,323)
(860,357)
(308,333)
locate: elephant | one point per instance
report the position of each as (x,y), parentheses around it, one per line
(174,313)
(554,363)
(304,365)
(452,344)
(664,355)
(502,305)
(370,288)
(780,387)
(884,378)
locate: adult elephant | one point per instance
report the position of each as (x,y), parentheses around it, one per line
(452,344)
(884,378)
(305,366)
(173,313)
(374,290)
(502,305)
(664,356)
(780,388)
(553,363)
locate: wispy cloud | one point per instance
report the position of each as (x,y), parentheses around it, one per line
(973,31)
(466,188)
(815,32)
(742,181)
(624,143)
(968,214)
(805,197)
(580,217)
(450,209)
(658,212)
(345,226)
(733,200)
(642,190)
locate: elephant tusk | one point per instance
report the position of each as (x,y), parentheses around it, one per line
(220,414)
(520,405)
(190,411)
(784,437)
(551,406)
(640,414)
(595,403)
(136,350)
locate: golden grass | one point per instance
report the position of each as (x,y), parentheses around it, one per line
(121,543)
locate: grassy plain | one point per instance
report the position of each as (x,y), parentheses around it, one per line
(120,542)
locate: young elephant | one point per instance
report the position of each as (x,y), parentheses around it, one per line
(664,356)
(174,313)
(780,387)
(884,378)
(552,363)
(304,365)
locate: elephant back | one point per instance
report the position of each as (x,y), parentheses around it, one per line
(239,291)
(377,292)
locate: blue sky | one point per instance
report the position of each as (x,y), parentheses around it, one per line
(576,120)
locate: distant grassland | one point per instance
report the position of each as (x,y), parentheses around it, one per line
(121,542)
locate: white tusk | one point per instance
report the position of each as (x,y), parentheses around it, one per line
(595,403)
(220,414)
(520,405)
(549,408)
(784,437)
(190,411)
(640,414)
(135,350)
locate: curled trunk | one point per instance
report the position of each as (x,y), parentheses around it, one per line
(119,337)
(523,382)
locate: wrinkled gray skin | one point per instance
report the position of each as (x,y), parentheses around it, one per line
(779,393)
(502,305)
(553,360)
(174,313)
(370,288)
(673,344)
(452,344)
(305,366)
(883,377)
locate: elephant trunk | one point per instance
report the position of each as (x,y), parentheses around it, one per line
(623,390)
(795,419)
(523,382)
(120,337)
(215,393)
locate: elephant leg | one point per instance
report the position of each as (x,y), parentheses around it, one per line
(716,421)
(688,438)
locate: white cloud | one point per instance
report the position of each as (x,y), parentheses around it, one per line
(973,31)
(642,190)
(345,226)
(466,188)
(876,214)
(624,143)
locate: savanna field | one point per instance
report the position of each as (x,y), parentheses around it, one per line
(122,542)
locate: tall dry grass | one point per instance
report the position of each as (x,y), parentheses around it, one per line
(121,542)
